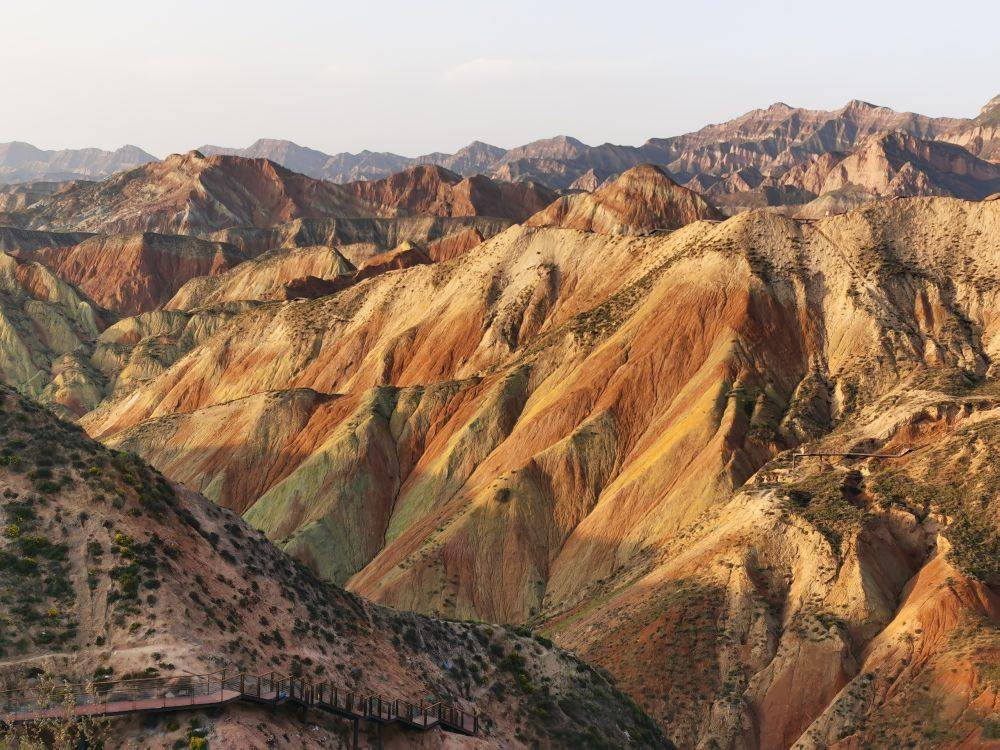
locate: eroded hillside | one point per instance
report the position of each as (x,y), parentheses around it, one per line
(111,572)
(582,413)
(190,194)
(46,330)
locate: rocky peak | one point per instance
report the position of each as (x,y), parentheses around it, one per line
(990,113)
(642,199)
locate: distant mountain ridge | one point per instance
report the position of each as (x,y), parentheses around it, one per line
(196,194)
(777,136)
(982,136)
(784,151)
(22,162)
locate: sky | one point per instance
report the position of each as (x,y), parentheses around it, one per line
(420,76)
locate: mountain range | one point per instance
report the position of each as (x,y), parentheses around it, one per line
(772,141)
(709,441)
(22,162)
(759,158)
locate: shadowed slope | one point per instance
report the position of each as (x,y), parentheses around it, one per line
(46,330)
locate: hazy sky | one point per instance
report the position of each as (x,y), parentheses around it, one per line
(420,76)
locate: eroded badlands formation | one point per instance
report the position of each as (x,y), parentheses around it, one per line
(583,424)
(590,416)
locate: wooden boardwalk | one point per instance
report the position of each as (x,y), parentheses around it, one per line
(165,694)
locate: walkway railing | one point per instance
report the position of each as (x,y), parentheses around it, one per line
(161,694)
(849,454)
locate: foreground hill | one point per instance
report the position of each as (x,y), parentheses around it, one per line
(114,572)
(190,194)
(584,413)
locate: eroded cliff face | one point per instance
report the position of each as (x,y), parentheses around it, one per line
(590,434)
(134,273)
(838,605)
(897,164)
(981,136)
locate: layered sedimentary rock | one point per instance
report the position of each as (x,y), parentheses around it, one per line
(590,433)
(135,273)
(47,330)
(981,136)
(896,164)
(264,277)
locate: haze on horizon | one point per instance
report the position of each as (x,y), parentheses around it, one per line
(346,77)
